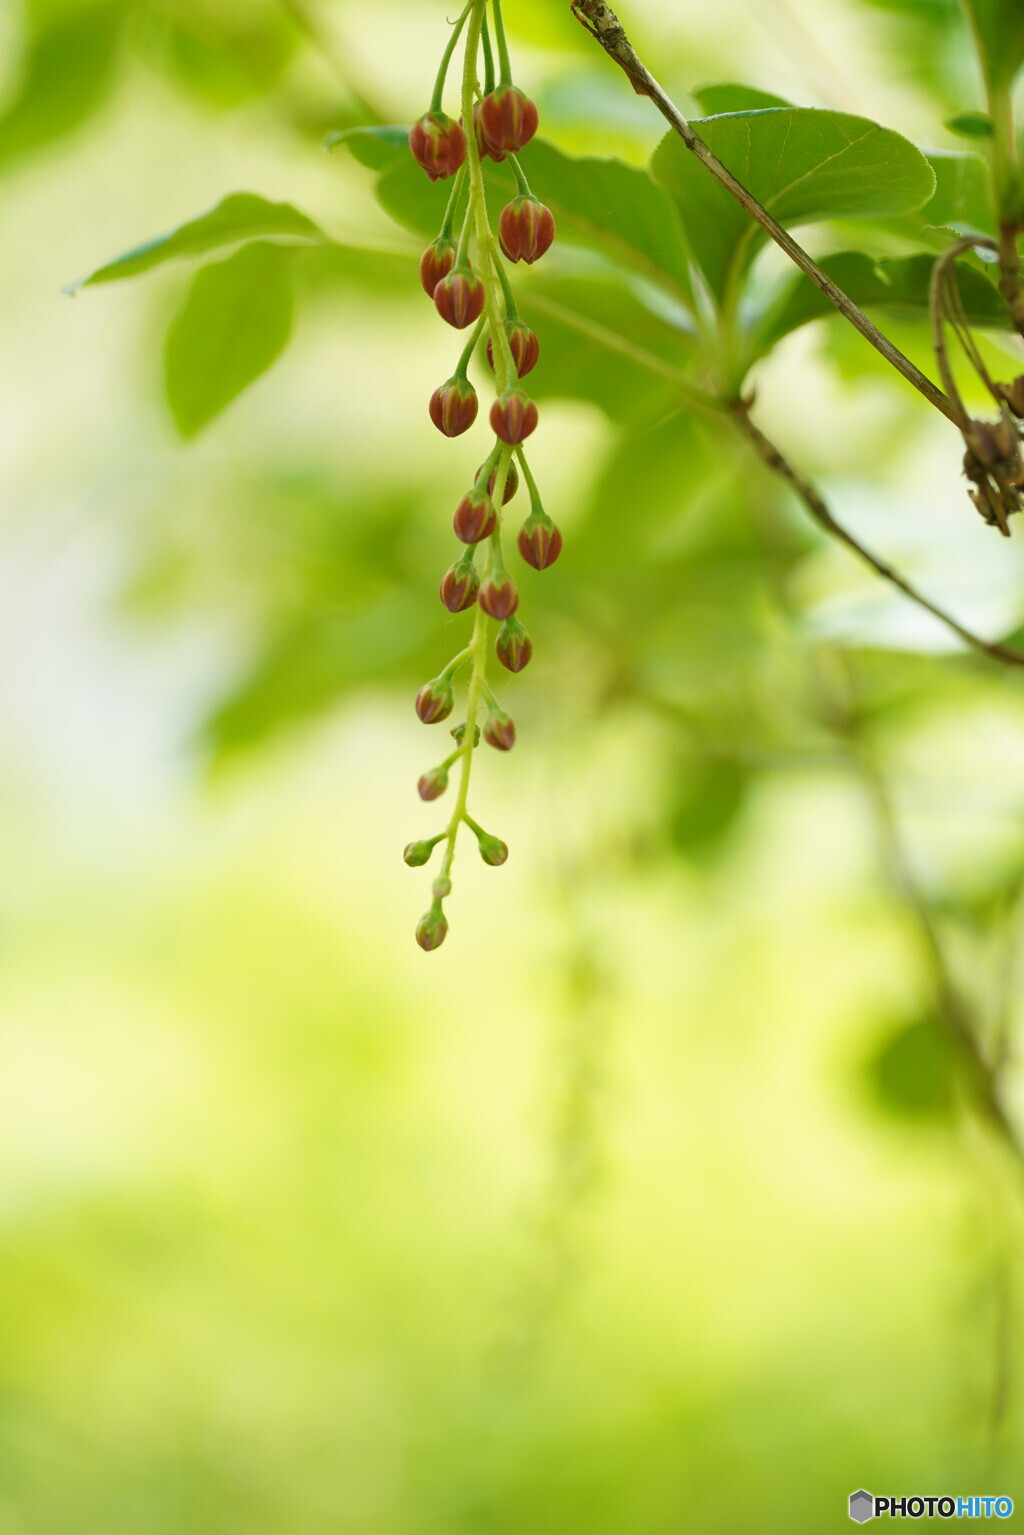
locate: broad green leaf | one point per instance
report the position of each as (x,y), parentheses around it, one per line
(242,216)
(376,148)
(599,204)
(67,73)
(731,96)
(896,283)
(998,27)
(962,199)
(802,164)
(234,323)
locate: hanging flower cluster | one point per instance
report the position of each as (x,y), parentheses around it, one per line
(464,276)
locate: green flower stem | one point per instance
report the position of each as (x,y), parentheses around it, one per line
(448,227)
(488,58)
(504,365)
(470,348)
(475,827)
(511,308)
(499,32)
(490,700)
(477,683)
(454,664)
(442,74)
(520,175)
(531,483)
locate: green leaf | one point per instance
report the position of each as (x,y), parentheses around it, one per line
(998,27)
(962,199)
(802,164)
(376,148)
(234,323)
(897,283)
(730,96)
(598,204)
(971,125)
(66,75)
(242,216)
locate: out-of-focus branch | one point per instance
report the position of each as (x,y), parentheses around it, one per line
(603,24)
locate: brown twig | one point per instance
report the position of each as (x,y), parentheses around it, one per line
(603,24)
(816,506)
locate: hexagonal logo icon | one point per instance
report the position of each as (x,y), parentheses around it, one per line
(862,1506)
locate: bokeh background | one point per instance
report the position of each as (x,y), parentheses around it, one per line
(651,1202)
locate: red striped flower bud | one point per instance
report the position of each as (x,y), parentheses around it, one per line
(511,482)
(459,297)
(526,229)
(500,731)
(492,850)
(435,701)
(432,930)
(475,517)
(433,784)
(453,407)
(513,647)
(506,120)
(459,586)
(487,151)
(498,597)
(513,417)
(436,262)
(524,346)
(540,542)
(438,144)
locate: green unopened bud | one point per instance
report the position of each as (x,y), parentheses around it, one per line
(459,735)
(442,888)
(418,853)
(432,929)
(492,850)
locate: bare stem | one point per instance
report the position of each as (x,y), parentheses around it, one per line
(603,24)
(816,506)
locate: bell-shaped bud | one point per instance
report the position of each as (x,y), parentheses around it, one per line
(492,850)
(500,731)
(498,596)
(459,586)
(513,417)
(506,120)
(513,646)
(435,701)
(453,407)
(436,262)
(432,929)
(438,144)
(487,151)
(540,542)
(433,784)
(442,888)
(523,344)
(526,229)
(418,853)
(475,517)
(459,735)
(459,297)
